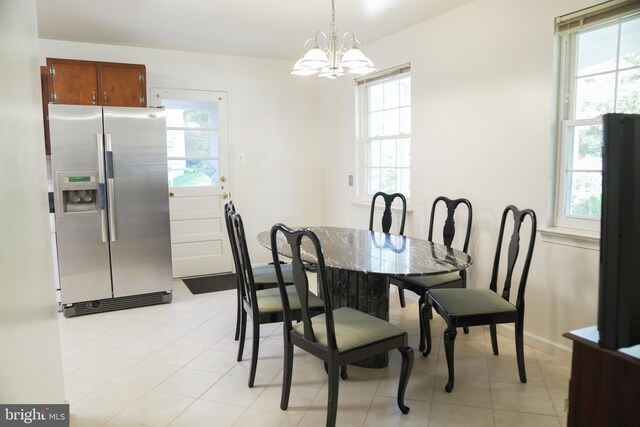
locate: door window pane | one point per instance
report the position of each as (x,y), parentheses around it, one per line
(186,113)
(193,147)
(181,143)
(189,173)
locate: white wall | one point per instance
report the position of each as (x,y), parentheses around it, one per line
(30,361)
(482,129)
(482,88)
(271,120)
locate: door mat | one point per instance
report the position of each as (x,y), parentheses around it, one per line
(219,282)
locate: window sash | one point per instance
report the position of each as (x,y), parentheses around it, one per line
(364,138)
(563,190)
(568,99)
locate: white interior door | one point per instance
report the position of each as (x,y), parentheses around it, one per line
(197,151)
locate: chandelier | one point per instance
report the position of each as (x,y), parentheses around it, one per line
(329,59)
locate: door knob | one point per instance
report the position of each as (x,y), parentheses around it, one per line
(223,179)
(171,194)
(224,195)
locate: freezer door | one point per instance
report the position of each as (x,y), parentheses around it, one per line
(83,248)
(137,196)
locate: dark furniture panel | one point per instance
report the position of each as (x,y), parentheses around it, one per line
(605,384)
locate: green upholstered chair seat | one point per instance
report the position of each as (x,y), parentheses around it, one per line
(266,273)
(470,302)
(353,328)
(269,300)
(433,281)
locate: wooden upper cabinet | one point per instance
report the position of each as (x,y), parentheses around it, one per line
(96,83)
(123,85)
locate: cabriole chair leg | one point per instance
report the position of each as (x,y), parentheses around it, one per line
(405,372)
(449,342)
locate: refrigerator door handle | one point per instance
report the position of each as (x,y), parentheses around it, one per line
(101,188)
(110,195)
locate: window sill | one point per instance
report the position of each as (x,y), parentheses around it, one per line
(571,237)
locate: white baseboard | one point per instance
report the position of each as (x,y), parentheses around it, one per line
(537,342)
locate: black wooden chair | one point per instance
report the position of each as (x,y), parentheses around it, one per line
(387,220)
(473,307)
(337,337)
(263,306)
(264,275)
(421,285)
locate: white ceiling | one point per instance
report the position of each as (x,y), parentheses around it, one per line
(258,28)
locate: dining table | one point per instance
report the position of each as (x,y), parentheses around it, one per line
(360,262)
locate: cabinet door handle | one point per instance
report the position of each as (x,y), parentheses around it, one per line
(105,97)
(93,97)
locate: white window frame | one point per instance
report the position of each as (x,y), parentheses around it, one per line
(362,126)
(566,109)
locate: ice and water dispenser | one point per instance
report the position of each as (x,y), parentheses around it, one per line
(78,193)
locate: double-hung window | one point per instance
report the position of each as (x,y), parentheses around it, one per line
(384,133)
(599,73)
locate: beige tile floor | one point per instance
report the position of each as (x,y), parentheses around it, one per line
(175,365)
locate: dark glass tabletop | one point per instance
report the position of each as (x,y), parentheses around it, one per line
(376,253)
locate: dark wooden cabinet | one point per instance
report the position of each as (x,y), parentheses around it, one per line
(44,85)
(605,384)
(96,83)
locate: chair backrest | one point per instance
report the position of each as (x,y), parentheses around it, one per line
(229,210)
(294,238)
(449,229)
(244,270)
(512,254)
(386,215)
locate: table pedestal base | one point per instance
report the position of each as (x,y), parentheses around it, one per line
(368,293)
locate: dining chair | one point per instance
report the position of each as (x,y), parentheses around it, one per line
(473,307)
(337,337)
(264,275)
(387,220)
(265,305)
(421,285)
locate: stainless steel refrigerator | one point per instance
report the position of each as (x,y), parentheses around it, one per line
(109,171)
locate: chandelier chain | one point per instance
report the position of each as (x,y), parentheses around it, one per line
(333,17)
